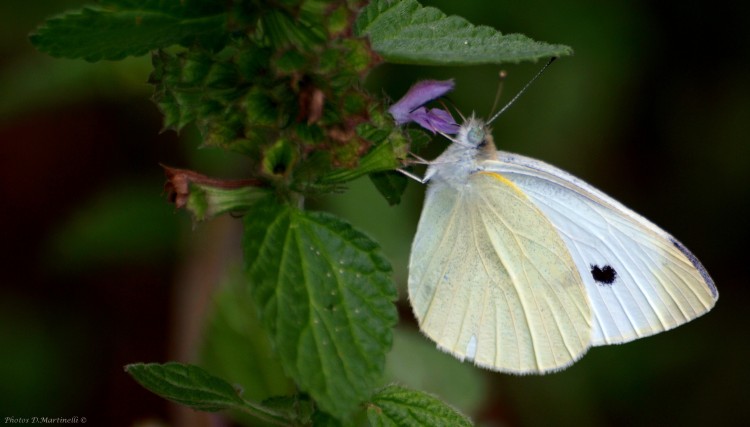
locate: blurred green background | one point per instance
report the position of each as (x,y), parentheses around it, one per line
(99,271)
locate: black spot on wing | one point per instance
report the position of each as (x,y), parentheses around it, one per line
(604,275)
(697,264)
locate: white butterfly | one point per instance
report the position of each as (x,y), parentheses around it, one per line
(521,267)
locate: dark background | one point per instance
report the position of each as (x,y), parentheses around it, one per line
(99,271)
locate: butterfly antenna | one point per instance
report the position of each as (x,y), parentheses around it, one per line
(501,79)
(463,118)
(452,139)
(533,79)
(442,102)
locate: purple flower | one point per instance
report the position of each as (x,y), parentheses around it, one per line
(410,107)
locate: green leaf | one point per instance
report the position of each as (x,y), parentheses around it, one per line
(391,185)
(182,8)
(326,297)
(407,33)
(321,419)
(130,28)
(396,406)
(186,384)
(192,386)
(283,29)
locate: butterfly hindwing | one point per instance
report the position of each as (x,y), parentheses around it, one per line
(491,279)
(639,279)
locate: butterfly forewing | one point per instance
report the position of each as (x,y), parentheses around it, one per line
(639,279)
(491,279)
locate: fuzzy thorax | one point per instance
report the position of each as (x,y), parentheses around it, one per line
(471,147)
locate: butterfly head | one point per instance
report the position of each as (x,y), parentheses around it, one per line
(474,134)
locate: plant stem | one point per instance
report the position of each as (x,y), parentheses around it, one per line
(265,414)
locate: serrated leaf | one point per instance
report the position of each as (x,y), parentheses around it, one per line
(186,384)
(182,8)
(396,406)
(133,29)
(326,297)
(406,32)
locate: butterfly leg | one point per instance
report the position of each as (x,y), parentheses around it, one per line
(412,176)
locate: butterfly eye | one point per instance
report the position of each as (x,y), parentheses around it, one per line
(475,136)
(603,275)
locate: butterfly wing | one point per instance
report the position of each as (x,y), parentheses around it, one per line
(639,279)
(491,280)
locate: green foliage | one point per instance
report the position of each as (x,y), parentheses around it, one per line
(194,387)
(326,297)
(280,83)
(131,28)
(390,184)
(185,384)
(395,406)
(207,202)
(248,99)
(100,232)
(413,363)
(236,346)
(407,33)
